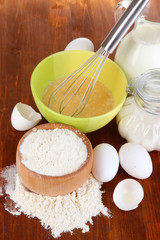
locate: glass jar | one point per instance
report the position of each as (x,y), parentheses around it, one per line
(139,119)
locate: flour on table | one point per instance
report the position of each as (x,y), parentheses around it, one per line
(59,214)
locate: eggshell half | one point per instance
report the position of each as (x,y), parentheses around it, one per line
(80,44)
(128,194)
(105,162)
(24,117)
(135,160)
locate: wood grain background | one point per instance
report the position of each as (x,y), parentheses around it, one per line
(30,31)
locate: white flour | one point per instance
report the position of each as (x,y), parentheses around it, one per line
(59,214)
(53,152)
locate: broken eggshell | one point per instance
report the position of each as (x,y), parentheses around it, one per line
(24,117)
(128,194)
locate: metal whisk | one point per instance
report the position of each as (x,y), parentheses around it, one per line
(93,66)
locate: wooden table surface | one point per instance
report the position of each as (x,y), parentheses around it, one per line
(30,31)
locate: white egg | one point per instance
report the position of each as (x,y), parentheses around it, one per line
(128,194)
(24,117)
(80,44)
(105,162)
(135,160)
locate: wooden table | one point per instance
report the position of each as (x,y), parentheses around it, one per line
(30,31)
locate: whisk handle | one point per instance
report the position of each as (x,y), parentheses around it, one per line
(123,25)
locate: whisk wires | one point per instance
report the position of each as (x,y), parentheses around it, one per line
(90,69)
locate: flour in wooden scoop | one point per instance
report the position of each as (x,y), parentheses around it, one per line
(53,152)
(59,214)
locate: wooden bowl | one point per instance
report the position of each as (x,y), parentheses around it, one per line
(58,185)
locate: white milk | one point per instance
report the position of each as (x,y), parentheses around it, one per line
(139,50)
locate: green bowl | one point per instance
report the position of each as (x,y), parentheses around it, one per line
(64,63)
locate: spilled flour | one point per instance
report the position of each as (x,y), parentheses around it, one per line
(59,214)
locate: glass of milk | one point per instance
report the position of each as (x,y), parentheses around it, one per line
(139,50)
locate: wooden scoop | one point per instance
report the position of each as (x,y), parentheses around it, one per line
(58,185)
